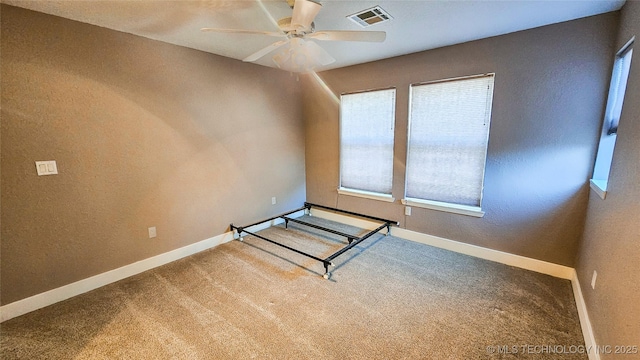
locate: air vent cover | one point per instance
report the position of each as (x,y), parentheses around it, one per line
(366,18)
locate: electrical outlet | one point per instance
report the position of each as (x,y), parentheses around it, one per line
(593,279)
(407,210)
(152,232)
(273,200)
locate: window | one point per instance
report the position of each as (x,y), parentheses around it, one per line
(366,143)
(617,88)
(447,146)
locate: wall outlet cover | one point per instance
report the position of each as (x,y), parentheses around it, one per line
(46,167)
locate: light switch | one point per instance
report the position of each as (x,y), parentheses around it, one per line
(46,167)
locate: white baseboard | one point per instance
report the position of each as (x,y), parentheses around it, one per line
(585,323)
(544,267)
(65,292)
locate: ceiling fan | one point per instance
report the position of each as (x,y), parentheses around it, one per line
(299,54)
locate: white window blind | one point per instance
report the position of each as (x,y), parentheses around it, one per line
(618,87)
(366,140)
(448,137)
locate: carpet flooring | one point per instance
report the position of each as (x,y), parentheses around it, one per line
(388,298)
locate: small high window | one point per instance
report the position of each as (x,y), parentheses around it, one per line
(617,88)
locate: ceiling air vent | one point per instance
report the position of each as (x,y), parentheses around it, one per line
(371,16)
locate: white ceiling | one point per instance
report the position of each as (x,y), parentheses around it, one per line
(417,25)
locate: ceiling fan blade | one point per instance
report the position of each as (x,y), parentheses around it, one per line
(262,52)
(368,36)
(304,11)
(317,53)
(238,31)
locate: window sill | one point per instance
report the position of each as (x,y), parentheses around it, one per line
(366,194)
(442,206)
(599,187)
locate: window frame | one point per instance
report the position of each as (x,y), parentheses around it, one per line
(361,192)
(599,181)
(451,207)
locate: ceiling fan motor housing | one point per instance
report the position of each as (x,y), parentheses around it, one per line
(285,25)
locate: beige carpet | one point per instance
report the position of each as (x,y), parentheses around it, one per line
(387,299)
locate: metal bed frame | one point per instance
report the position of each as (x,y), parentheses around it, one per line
(326,262)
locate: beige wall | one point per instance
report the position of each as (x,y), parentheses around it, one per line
(144,134)
(611,241)
(550,88)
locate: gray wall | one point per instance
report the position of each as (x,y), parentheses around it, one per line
(611,241)
(144,134)
(550,88)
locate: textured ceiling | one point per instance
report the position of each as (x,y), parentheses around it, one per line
(416,26)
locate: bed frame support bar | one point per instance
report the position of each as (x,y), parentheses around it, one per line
(350,238)
(242,230)
(356,242)
(308,206)
(277,217)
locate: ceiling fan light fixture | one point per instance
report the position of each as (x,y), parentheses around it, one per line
(301,56)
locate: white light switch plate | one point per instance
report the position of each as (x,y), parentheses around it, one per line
(152,232)
(46,167)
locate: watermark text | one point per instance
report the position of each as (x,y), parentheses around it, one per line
(562,349)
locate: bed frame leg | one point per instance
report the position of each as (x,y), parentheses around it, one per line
(327,274)
(238,232)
